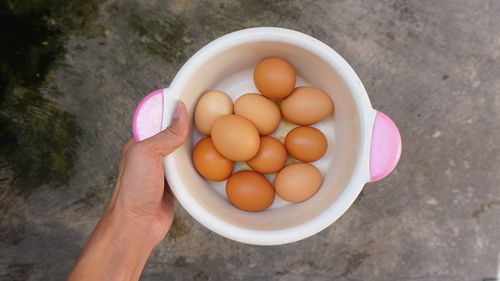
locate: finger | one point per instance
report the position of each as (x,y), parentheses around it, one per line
(167,192)
(168,203)
(168,209)
(174,136)
(127,145)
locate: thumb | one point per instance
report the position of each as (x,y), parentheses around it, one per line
(166,141)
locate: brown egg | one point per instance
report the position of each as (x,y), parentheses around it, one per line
(297,182)
(262,112)
(270,158)
(235,137)
(274,77)
(212,105)
(249,191)
(306,105)
(306,144)
(209,162)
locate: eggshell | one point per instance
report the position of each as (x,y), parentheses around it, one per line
(297,182)
(209,162)
(306,144)
(262,112)
(235,137)
(274,77)
(270,158)
(249,191)
(306,105)
(212,105)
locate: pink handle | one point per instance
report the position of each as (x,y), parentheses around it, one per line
(148,116)
(385,147)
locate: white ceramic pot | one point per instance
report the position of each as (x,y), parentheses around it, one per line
(364,144)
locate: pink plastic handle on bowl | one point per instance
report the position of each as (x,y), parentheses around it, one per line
(148,116)
(385,147)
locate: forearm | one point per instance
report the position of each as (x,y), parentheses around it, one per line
(116,250)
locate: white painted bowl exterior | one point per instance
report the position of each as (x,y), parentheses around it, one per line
(343,179)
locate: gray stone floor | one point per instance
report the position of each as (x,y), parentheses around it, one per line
(433,66)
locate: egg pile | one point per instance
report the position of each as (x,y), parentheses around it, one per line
(240,132)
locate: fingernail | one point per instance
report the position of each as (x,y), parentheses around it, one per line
(177,110)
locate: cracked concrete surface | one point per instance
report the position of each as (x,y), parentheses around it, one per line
(433,66)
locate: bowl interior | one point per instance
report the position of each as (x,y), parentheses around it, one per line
(231,71)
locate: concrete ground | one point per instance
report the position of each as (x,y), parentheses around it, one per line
(433,66)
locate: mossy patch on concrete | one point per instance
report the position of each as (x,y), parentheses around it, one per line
(234,15)
(178,229)
(164,38)
(18,271)
(38,137)
(259,8)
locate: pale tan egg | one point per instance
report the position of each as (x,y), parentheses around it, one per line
(297,182)
(307,105)
(306,144)
(235,137)
(270,158)
(262,112)
(249,191)
(212,105)
(274,78)
(209,162)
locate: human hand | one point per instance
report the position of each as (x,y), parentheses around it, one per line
(140,212)
(142,196)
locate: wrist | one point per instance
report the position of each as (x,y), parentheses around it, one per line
(127,230)
(116,250)
(124,242)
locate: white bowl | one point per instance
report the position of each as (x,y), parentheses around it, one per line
(363,144)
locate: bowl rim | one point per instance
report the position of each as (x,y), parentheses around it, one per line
(360,175)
